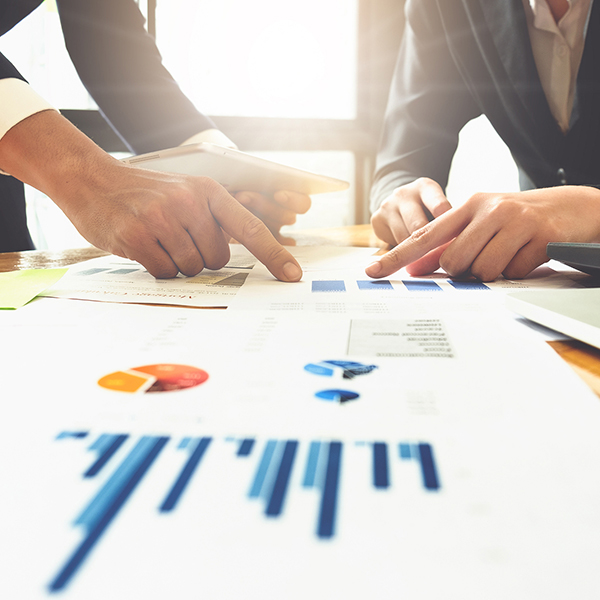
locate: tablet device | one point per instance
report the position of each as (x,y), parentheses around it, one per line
(235,170)
(583,257)
(572,312)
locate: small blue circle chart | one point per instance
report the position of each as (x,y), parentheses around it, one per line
(337,395)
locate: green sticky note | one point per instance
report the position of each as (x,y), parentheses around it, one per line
(17,288)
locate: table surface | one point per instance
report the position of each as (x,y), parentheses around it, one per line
(584,359)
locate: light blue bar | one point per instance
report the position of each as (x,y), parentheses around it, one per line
(96,508)
(332,285)
(263,467)
(71,434)
(421,285)
(184,443)
(310,474)
(405,451)
(373,285)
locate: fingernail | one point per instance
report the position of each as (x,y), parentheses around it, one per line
(292,272)
(374,268)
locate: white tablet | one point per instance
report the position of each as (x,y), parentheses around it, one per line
(235,170)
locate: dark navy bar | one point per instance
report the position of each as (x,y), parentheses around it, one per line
(467,285)
(106,455)
(275,505)
(430,478)
(69,570)
(185,475)
(381,477)
(246,447)
(326,526)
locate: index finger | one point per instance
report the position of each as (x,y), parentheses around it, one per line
(252,233)
(418,244)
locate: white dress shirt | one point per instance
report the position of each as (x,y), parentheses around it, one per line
(18,100)
(557,49)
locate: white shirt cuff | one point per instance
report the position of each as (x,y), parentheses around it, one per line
(17,102)
(212,136)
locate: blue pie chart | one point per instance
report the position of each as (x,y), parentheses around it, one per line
(337,395)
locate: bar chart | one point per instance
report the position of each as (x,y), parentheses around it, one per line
(276,474)
(409,285)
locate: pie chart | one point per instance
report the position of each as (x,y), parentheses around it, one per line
(154,378)
(340,396)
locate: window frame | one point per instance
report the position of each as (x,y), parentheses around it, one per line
(380,25)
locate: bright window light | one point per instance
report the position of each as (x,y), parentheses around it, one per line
(264,58)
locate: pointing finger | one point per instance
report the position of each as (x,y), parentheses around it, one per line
(252,233)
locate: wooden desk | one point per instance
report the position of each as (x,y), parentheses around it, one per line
(584,359)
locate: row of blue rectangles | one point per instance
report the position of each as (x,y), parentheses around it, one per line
(413,285)
(270,482)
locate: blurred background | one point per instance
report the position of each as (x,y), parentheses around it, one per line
(303,84)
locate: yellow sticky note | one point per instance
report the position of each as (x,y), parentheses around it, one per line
(17,288)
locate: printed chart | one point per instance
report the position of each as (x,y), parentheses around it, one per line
(154,378)
(275,469)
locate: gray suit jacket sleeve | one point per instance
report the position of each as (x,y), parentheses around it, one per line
(122,69)
(428,105)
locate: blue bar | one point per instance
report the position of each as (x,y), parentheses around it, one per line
(185,475)
(71,434)
(263,467)
(124,271)
(421,285)
(405,452)
(275,505)
(467,285)
(111,444)
(326,526)
(143,455)
(328,286)
(377,284)
(430,478)
(381,477)
(246,447)
(92,271)
(310,474)
(184,443)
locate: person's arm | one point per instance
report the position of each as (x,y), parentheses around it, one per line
(429,104)
(121,67)
(493,234)
(169,223)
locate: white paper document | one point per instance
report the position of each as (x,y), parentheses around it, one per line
(156,452)
(115,279)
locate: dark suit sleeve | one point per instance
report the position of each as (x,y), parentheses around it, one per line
(8,70)
(428,106)
(121,67)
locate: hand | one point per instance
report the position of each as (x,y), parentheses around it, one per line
(171,223)
(498,233)
(277,210)
(409,208)
(168,223)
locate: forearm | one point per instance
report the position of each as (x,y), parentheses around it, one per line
(47,152)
